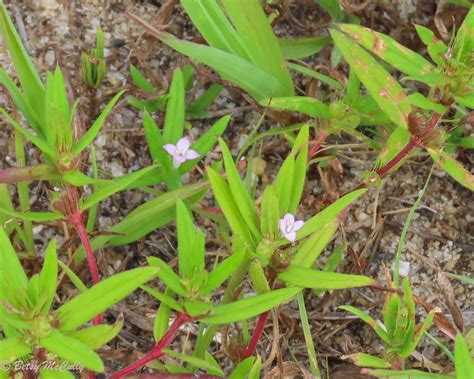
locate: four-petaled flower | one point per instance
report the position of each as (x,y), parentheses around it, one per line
(181,152)
(289,227)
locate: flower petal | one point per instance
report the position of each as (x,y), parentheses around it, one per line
(171,149)
(291,236)
(192,154)
(289,218)
(183,144)
(298,225)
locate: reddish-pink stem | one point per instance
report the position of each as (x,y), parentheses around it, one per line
(262,319)
(316,144)
(76,220)
(257,334)
(157,350)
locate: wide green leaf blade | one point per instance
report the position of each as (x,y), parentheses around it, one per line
(258,39)
(49,274)
(297,48)
(13,348)
(249,307)
(385,90)
(101,296)
(174,117)
(304,104)
(239,192)
(395,54)
(453,168)
(72,350)
(96,336)
(366,360)
(195,362)
(30,81)
(462,359)
(11,270)
(188,262)
(308,278)
(214,26)
(257,82)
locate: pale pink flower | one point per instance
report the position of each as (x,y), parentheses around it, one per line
(289,227)
(181,152)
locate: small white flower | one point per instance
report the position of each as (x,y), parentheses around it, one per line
(289,227)
(181,152)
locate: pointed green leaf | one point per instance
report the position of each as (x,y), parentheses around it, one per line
(101,296)
(13,348)
(368,320)
(168,276)
(72,350)
(385,90)
(249,307)
(453,168)
(304,104)
(96,336)
(174,117)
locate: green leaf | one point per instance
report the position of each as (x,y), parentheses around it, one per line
(301,165)
(12,277)
(29,79)
(39,142)
(270,214)
(240,193)
(297,48)
(73,277)
(242,369)
(224,270)
(249,307)
(174,118)
(368,320)
(257,277)
(308,338)
(55,374)
(33,216)
(329,213)
(144,219)
(453,168)
(390,313)
(206,142)
(436,48)
(197,308)
(101,296)
(307,105)
(13,348)
(198,107)
(162,298)
(462,358)
(308,278)
(418,100)
(395,54)
(141,81)
(72,350)
(366,360)
(96,336)
(228,205)
(284,181)
(463,45)
(90,135)
(49,275)
(259,84)
(397,140)
(195,362)
(256,369)
(168,276)
(260,43)
(214,26)
(113,186)
(312,248)
(385,90)
(189,260)
(155,141)
(462,278)
(162,318)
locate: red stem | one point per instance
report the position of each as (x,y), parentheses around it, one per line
(319,138)
(262,319)
(76,220)
(157,350)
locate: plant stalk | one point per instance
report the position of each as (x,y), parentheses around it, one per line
(157,350)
